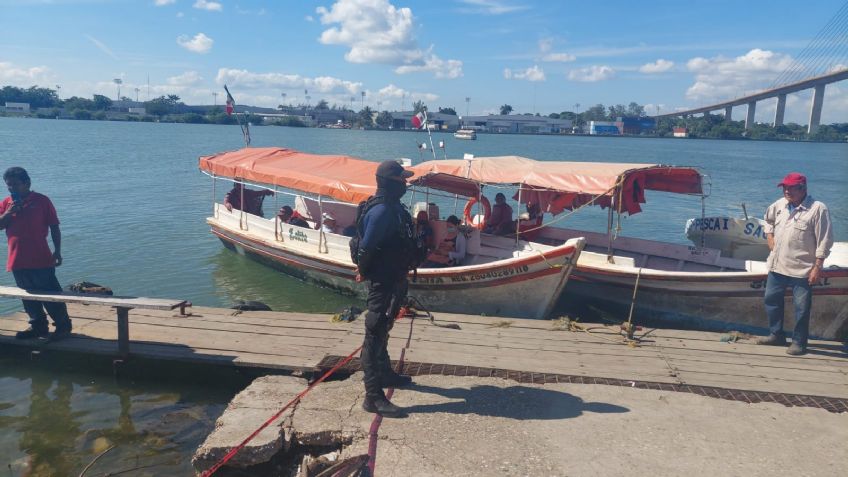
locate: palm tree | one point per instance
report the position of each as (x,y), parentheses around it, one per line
(506,109)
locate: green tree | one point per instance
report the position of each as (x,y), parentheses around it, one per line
(76,103)
(597,112)
(635,110)
(102,103)
(506,109)
(322,105)
(384,120)
(163,105)
(418,106)
(617,111)
(366,117)
(450,111)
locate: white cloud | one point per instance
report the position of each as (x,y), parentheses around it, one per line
(199,44)
(391,91)
(310,18)
(378,32)
(722,78)
(102,46)
(490,7)
(545,46)
(208,6)
(592,74)
(534,73)
(189,78)
(559,57)
(162,3)
(449,69)
(321,84)
(659,66)
(22,76)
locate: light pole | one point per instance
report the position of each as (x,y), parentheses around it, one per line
(379,105)
(402,100)
(214,98)
(118,82)
(58,90)
(576,108)
(363,99)
(283,95)
(136,94)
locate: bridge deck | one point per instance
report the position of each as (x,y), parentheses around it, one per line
(306,342)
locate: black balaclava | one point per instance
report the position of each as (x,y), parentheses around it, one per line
(390,188)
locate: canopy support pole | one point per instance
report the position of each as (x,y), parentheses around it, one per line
(322,239)
(609,231)
(518,216)
(242,215)
(278,224)
(214,195)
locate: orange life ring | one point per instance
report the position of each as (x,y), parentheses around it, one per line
(487,212)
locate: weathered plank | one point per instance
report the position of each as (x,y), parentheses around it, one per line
(68,297)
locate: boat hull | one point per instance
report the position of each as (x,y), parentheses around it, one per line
(526,286)
(719,300)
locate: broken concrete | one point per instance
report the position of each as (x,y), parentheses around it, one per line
(488,426)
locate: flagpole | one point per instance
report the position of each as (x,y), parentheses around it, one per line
(427,127)
(231,108)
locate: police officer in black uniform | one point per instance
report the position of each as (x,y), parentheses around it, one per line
(386,253)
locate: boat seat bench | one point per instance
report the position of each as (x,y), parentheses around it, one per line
(122,305)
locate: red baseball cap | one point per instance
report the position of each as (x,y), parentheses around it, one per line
(793,179)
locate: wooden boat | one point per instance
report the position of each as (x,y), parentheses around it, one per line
(677,284)
(498,277)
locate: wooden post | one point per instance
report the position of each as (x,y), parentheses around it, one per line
(123,331)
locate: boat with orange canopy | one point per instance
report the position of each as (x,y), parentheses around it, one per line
(661,281)
(499,276)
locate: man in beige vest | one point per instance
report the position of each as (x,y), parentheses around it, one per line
(799,236)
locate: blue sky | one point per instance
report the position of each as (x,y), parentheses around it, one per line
(538,56)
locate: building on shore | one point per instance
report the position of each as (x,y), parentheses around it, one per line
(22,108)
(605,128)
(680,132)
(517,124)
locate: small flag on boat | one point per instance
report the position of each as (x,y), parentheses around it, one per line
(231,103)
(419,120)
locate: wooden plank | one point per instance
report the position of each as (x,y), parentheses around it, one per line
(68,297)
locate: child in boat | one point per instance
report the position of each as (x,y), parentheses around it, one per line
(451,251)
(288,216)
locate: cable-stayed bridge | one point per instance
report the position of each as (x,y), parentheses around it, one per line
(822,62)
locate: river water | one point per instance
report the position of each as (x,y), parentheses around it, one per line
(132,204)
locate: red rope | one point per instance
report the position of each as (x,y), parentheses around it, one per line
(273,418)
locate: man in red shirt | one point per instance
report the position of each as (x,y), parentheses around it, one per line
(27,216)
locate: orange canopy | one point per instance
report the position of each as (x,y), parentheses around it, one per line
(343,178)
(558,185)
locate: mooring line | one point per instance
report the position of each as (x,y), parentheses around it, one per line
(279,413)
(378,419)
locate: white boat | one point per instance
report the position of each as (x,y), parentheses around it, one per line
(465,134)
(498,276)
(742,238)
(677,284)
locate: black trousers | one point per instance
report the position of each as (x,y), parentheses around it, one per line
(385,297)
(42,279)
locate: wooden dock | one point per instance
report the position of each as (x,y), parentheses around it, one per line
(537,350)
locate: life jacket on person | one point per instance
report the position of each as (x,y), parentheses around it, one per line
(407,247)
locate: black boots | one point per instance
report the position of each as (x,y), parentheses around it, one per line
(382,406)
(772,340)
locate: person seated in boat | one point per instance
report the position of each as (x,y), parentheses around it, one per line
(328,224)
(289,216)
(500,222)
(424,231)
(252,199)
(530,222)
(450,251)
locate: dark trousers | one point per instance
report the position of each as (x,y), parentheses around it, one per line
(802,298)
(42,279)
(385,297)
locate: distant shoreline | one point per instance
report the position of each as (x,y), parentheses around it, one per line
(124,119)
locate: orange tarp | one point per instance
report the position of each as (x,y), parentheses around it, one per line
(564,185)
(343,178)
